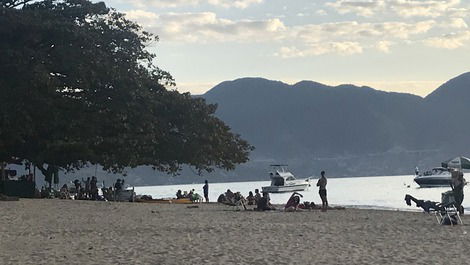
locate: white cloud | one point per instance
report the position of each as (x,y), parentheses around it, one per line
(383,46)
(362,8)
(343,38)
(341,48)
(449,41)
(181,3)
(234,3)
(352,30)
(321,12)
(404,8)
(456,23)
(426,8)
(206,26)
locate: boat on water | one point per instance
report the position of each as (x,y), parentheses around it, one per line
(284,181)
(441,176)
(436,177)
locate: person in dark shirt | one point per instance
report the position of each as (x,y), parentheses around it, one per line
(457,184)
(179,194)
(264,203)
(118,185)
(94,188)
(205,188)
(257,196)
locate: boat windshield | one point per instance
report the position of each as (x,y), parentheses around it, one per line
(277,182)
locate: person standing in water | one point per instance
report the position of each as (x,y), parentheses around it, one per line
(205,188)
(321,184)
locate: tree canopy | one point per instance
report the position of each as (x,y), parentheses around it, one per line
(78,86)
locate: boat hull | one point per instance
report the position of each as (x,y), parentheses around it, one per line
(289,188)
(433,181)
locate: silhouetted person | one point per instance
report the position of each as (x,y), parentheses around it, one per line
(251,198)
(94,188)
(179,194)
(457,183)
(205,188)
(118,185)
(322,190)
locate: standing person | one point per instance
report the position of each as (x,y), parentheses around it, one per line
(87,187)
(321,184)
(205,188)
(457,184)
(94,188)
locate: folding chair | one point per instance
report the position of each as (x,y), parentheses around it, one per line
(448,214)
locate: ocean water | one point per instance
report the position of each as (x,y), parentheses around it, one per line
(384,192)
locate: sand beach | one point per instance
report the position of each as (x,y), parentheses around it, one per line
(42,231)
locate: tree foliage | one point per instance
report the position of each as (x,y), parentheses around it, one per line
(78,86)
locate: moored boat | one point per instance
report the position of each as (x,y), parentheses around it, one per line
(441,176)
(284,181)
(436,177)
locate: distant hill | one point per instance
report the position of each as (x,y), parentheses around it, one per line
(346,130)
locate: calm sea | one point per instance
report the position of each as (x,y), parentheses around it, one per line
(385,192)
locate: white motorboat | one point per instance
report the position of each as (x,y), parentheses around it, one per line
(436,177)
(284,181)
(441,176)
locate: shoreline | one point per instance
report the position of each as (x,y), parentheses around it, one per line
(52,231)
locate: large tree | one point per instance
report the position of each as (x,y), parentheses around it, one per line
(78,86)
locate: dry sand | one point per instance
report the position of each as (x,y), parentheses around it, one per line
(86,232)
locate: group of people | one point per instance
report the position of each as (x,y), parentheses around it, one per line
(192,195)
(88,190)
(263,201)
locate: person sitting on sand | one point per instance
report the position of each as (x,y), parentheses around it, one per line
(293,202)
(221,198)
(179,195)
(250,199)
(230,196)
(257,196)
(264,203)
(64,192)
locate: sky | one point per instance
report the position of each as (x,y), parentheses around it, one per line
(410,46)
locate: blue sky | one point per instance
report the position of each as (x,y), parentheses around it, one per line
(408,46)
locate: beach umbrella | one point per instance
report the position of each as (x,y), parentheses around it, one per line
(460,162)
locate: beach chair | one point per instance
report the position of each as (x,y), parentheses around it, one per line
(447,213)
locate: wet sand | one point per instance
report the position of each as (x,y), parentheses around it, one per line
(86,232)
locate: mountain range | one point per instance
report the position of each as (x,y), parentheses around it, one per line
(346,130)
